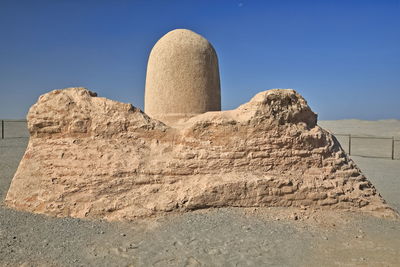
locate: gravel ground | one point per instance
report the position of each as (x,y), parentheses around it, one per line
(215,237)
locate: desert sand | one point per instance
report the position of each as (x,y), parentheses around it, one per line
(224,237)
(383,128)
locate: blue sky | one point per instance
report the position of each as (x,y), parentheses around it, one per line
(343,56)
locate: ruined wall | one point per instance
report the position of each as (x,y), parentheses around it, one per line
(93,157)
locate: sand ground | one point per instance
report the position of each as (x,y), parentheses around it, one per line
(215,237)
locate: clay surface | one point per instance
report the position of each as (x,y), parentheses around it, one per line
(92,157)
(182,77)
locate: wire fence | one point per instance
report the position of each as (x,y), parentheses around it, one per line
(370,146)
(367,146)
(14,129)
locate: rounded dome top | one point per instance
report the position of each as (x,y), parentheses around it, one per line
(182,76)
(182,38)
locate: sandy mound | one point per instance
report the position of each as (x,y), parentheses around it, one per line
(93,157)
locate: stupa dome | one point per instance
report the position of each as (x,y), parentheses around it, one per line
(182,77)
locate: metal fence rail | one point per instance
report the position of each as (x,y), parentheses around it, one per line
(381,144)
(372,146)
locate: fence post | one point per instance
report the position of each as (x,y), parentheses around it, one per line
(2,129)
(349,144)
(392,147)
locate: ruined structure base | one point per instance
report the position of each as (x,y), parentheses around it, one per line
(90,157)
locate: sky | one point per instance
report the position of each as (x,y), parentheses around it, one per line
(343,56)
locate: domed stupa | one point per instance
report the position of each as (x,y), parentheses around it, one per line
(182,77)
